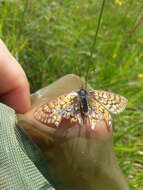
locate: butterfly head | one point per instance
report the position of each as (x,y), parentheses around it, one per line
(82,92)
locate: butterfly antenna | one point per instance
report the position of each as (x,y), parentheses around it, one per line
(94,40)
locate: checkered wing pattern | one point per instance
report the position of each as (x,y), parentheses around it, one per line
(63,107)
(102,104)
(112,102)
(98,113)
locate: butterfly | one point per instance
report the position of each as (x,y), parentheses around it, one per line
(75,106)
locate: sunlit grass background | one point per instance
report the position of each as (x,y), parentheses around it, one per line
(53,38)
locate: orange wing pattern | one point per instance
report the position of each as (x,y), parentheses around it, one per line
(101,105)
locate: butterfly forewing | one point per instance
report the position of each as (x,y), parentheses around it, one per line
(63,107)
(112,102)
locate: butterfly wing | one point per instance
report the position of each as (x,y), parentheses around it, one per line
(102,104)
(63,107)
(98,113)
(112,102)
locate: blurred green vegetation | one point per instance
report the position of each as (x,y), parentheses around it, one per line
(53,38)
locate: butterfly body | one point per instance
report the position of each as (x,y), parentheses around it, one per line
(83,97)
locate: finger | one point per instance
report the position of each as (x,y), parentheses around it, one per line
(14,87)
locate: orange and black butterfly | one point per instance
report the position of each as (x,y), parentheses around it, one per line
(75,106)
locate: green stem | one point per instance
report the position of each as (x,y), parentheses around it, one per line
(95,39)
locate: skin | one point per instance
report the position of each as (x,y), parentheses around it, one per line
(14,86)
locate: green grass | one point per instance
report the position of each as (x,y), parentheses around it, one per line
(54,38)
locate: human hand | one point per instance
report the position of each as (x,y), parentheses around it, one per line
(14,86)
(86,153)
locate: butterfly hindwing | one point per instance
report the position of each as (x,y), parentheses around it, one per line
(97,112)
